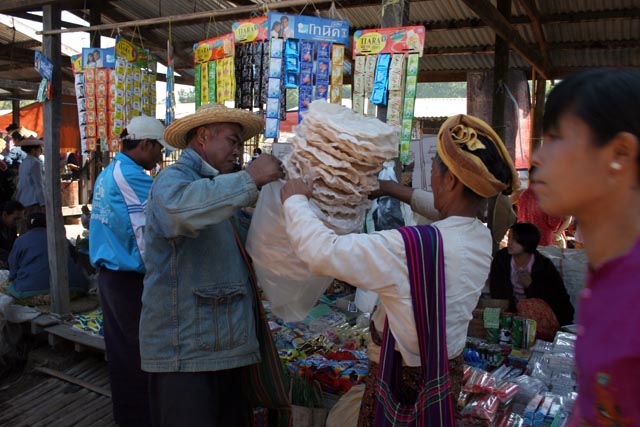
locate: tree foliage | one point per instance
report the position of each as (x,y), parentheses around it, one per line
(442,90)
(185,95)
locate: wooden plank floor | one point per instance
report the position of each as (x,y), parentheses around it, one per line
(58,403)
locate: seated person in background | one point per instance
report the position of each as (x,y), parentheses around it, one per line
(11,214)
(29,262)
(519,272)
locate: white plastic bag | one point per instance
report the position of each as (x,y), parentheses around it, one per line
(286,280)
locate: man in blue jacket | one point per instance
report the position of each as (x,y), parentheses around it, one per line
(198,328)
(117,250)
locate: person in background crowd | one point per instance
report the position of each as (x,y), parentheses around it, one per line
(256,153)
(30,182)
(589,167)
(200,329)
(519,272)
(7,182)
(12,213)
(551,227)
(116,249)
(29,262)
(9,139)
(471,165)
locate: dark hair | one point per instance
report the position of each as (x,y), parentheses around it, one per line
(12,127)
(494,163)
(35,220)
(10,206)
(29,148)
(257,150)
(607,100)
(527,235)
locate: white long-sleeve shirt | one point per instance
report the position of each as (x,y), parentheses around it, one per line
(377,262)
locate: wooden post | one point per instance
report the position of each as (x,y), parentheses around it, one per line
(56,240)
(538,112)
(15,111)
(394,15)
(500,74)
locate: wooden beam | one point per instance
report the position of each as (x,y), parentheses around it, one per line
(12,6)
(27,86)
(57,245)
(532,11)
(442,76)
(19,84)
(38,18)
(190,17)
(17,54)
(485,10)
(26,44)
(74,380)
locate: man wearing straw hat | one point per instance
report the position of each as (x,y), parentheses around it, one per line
(201,329)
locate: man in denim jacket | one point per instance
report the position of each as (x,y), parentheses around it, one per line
(198,323)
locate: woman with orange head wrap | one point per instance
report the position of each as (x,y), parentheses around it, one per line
(426,276)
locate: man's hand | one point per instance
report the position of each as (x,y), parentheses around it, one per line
(265,169)
(293,187)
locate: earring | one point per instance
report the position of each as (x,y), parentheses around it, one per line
(615,166)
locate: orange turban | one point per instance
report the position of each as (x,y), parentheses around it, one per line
(462,130)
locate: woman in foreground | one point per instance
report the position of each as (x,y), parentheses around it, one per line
(589,167)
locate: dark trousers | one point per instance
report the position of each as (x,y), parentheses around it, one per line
(198,399)
(121,301)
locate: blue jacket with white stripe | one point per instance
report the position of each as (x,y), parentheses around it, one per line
(117,224)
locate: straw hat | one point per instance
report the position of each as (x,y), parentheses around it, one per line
(28,142)
(175,134)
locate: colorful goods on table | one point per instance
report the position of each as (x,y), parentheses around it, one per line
(90,322)
(340,152)
(534,388)
(112,85)
(324,347)
(386,74)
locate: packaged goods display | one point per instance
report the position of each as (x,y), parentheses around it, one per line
(112,86)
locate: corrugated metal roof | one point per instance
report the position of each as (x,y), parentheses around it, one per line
(578,33)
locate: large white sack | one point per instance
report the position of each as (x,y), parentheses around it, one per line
(286,280)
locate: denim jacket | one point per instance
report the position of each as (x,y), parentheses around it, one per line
(198,310)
